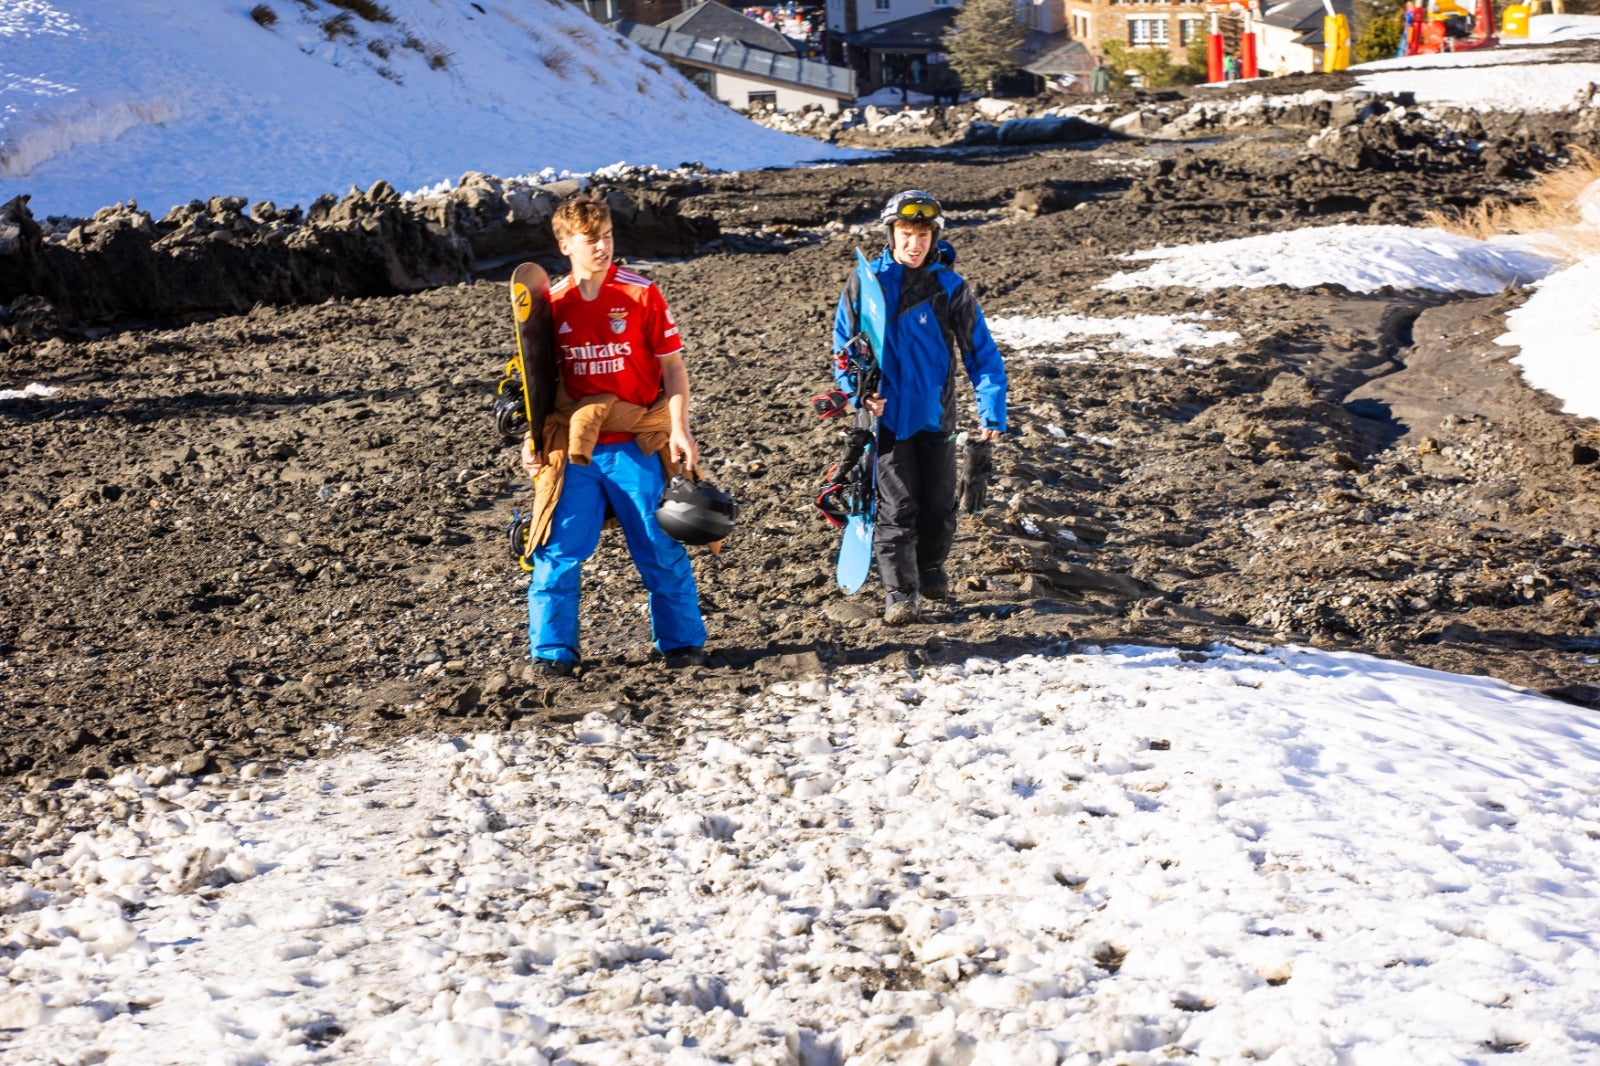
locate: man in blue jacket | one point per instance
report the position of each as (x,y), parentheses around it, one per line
(934,322)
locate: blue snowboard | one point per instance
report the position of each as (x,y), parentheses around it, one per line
(855,554)
(873,315)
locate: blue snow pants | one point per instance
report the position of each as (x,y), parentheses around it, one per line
(629,482)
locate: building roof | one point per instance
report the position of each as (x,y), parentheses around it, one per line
(1304,15)
(919,33)
(711,19)
(1065,57)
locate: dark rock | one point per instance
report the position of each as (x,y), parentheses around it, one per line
(1040,200)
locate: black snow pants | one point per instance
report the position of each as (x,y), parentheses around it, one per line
(915,523)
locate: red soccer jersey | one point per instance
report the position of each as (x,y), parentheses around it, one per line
(614,342)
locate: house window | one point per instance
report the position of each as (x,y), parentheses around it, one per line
(1189,29)
(880,5)
(1147,32)
(1080,26)
(763,99)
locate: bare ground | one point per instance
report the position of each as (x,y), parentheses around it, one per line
(231,540)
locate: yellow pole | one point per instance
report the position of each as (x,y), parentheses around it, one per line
(1335,43)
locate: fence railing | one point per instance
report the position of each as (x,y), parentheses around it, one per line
(734,56)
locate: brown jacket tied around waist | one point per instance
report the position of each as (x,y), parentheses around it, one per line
(570,434)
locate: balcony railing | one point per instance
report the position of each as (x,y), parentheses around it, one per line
(740,58)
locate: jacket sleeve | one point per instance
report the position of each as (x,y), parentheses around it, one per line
(844,327)
(980,356)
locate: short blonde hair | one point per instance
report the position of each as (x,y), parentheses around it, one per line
(583,213)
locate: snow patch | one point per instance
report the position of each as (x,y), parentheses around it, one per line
(1359,258)
(29,392)
(47,134)
(1130,854)
(1157,336)
(1557,330)
(185,102)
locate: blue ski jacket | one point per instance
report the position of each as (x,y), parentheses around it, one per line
(933,320)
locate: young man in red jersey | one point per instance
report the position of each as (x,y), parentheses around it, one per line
(616,336)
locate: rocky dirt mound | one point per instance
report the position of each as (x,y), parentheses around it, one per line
(246,535)
(221,257)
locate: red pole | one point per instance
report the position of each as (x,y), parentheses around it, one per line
(1483,19)
(1214,51)
(1247,47)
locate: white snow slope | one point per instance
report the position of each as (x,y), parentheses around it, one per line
(167,101)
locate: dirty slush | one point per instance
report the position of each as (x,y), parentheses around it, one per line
(266,513)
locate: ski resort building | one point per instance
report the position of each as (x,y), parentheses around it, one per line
(1166,24)
(898,43)
(742,62)
(904,53)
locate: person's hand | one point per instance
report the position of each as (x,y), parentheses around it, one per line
(531,462)
(683,449)
(874,405)
(992,434)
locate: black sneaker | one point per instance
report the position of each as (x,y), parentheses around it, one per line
(934,586)
(552,668)
(683,658)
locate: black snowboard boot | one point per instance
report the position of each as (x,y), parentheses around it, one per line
(902,608)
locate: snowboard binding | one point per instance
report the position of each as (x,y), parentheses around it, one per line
(847,486)
(830,404)
(517,538)
(859,367)
(510,410)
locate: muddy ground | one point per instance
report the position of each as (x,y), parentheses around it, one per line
(239,538)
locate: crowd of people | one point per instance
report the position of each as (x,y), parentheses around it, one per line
(801,23)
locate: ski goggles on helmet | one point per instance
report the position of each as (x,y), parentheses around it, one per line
(913,205)
(918,209)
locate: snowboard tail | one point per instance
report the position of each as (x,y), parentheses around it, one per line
(528,387)
(534,368)
(855,554)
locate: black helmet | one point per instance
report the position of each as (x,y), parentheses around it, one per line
(912,204)
(695,512)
